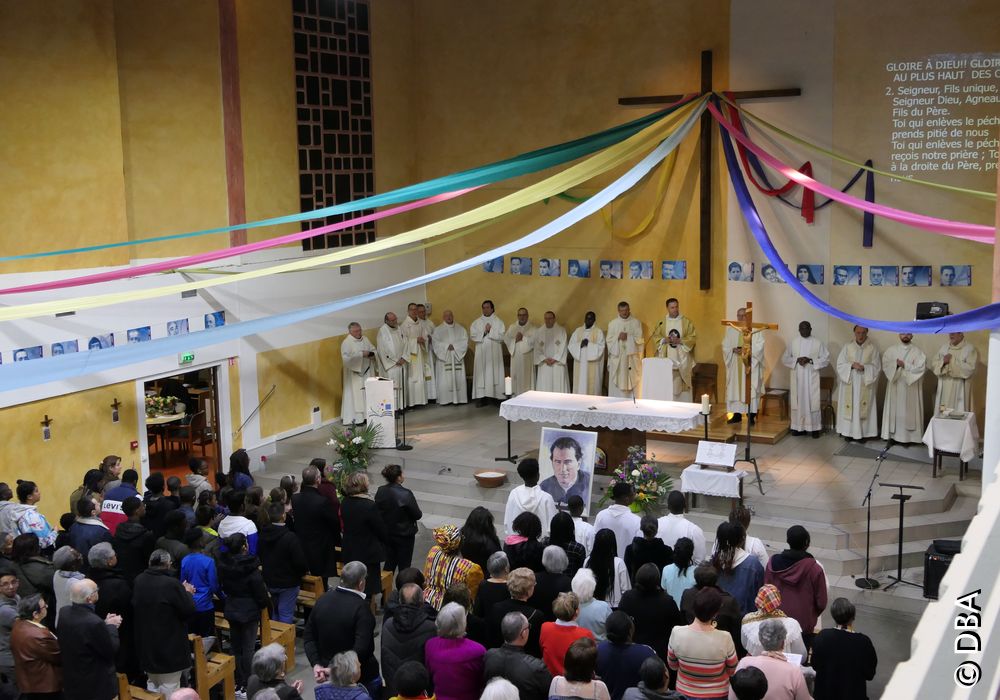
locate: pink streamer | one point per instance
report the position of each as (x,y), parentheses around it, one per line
(956,229)
(177,263)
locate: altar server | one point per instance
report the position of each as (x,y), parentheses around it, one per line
(625,346)
(858,367)
(428,326)
(520,342)
(356,353)
(450,343)
(805,357)
(954,364)
(733,355)
(587,348)
(416,354)
(550,356)
(392,355)
(486,334)
(904,365)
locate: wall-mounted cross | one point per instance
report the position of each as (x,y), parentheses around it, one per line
(705,229)
(116,404)
(48,421)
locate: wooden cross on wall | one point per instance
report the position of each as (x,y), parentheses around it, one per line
(705,229)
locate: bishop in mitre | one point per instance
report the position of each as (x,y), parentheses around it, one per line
(858,366)
(625,345)
(805,357)
(450,343)
(520,342)
(486,333)
(550,356)
(954,364)
(390,347)
(417,357)
(357,354)
(904,365)
(736,358)
(429,354)
(586,345)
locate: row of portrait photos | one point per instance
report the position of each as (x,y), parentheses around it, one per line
(607,269)
(853,275)
(141,334)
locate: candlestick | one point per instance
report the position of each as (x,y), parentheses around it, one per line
(508,386)
(705,406)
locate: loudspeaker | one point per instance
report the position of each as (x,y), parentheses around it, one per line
(936,564)
(931,309)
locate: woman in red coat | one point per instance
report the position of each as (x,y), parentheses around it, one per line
(37,664)
(557,636)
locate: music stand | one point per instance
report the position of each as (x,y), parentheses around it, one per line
(902,498)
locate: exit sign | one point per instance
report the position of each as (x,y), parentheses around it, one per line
(185,358)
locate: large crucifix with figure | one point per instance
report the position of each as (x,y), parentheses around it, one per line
(748,329)
(705,208)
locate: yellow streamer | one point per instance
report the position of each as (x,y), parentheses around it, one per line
(560,182)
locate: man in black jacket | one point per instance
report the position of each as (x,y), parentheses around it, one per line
(283,561)
(529,675)
(317,524)
(343,621)
(133,542)
(115,596)
(162,606)
(87,645)
(404,634)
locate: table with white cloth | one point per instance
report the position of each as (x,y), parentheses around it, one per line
(697,479)
(623,420)
(951,436)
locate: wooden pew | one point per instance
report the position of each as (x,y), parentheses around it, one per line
(212,669)
(132,692)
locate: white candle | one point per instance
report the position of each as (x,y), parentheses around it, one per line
(705,406)
(508,386)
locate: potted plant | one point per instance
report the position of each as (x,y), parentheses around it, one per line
(643,473)
(353,446)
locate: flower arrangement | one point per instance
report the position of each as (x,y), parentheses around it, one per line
(158,405)
(641,472)
(353,446)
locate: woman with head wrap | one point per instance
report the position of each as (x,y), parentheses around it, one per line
(445,566)
(768,602)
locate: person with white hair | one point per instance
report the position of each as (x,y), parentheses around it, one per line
(88,646)
(500,689)
(454,661)
(550,582)
(115,596)
(593,613)
(268,672)
(784,679)
(344,672)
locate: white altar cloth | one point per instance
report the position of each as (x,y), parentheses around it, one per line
(602,412)
(711,482)
(957,435)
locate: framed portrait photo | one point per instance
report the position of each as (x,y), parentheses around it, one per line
(915,276)
(809,274)
(31,353)
(494,265)
(548,267)
(177,327)
(101,342)
(846,275)
(740,271)
(520,266)
(955,276)
(770,274)
(883,276)
(138,335)
(640,270)
(578,268)
(64,347)
(216,319)
(673,270)
(566,464)
(611,270)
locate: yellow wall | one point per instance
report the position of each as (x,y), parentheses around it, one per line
(234,401)
(82,435)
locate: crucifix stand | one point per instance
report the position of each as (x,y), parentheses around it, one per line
(748,329)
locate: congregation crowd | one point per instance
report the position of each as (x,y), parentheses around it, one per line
(625,606)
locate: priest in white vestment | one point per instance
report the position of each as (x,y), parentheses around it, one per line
(683,367)
(550,356)
(586,345)
(520,342)
(805,357)
(486,333)
(391,348)
(954,364)
(417,357)
(450,343)
(356,354)
(684,328)
(858,367)
(904,365)
(428,325)
(733,356)
(625,347)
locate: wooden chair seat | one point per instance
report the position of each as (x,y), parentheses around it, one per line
(705,380)
(132,692)
(310,589)
(283,633)
(827,388)
(212,669)
(775,395)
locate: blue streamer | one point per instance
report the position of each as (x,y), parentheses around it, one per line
(48,369)
(982,318)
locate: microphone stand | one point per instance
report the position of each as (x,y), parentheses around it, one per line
(868,582)
(401,444)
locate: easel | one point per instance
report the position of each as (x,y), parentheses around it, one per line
(748,329)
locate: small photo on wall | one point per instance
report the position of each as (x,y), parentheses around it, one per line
(956,275)
(674,270)
(846,275)
(740,271)
(640,270)
(65,347)
(770,274)
(24,354)
(180,326)
(138,335)
(883,276)
(494,265)
(101,342)
(216,319)
(611,269)
(579,268)
(915,275)
(549,267)
(810,274)
(520,266)
(566,464)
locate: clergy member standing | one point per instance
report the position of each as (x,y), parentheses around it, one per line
(683,367)
(486,334)
(904,365)
(587,348)
(954,365)
(625,344)
(416,355)
(550,356)
(392,355)
(674,321)
(805,356)
(356,353)
(450,343)
(429,365)
(520,342)
(858,367)
(732,354)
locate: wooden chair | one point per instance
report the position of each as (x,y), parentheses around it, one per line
(705,380)
(130,692)
(212,669)
(283,633)
(772,395)
(827,387)
(310,589)
(187,436)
